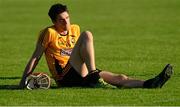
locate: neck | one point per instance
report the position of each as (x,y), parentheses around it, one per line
(61,31)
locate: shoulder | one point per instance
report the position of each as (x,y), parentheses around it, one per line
(49,29)
(75,29)
(46,34)
(75,26)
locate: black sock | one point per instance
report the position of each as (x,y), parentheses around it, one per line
(148,83)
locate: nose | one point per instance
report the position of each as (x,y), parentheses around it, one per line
(65,21)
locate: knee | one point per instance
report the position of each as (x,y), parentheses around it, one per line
(87,35)
(123,77)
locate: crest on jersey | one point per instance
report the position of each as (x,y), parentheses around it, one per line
(73,41)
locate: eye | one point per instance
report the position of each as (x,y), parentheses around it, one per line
(67,17)
(61,20)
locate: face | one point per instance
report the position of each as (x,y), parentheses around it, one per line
(62,22)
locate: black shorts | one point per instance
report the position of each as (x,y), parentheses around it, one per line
(72,78)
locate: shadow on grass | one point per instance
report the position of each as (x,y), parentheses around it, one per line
(5,78)
(16,87)
(9,87)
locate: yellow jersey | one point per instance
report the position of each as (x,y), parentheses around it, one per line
(58,48)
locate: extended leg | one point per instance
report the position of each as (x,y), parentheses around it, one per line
(120,80)
(124,81)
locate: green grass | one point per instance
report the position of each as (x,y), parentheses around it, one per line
(134,37)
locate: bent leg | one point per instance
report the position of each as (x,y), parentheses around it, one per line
(82,56)
(120,80)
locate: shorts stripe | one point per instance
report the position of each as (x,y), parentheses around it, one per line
(65,70)
(67,67)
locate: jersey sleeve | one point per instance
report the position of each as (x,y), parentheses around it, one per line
(44,38)
(77,30)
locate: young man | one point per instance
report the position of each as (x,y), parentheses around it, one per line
(70,56)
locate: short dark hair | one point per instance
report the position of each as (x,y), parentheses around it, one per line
(55,10)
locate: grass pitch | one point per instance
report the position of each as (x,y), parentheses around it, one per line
(134,37)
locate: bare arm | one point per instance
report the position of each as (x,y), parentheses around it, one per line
(32,64)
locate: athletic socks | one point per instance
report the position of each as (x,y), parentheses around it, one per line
(160,79)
